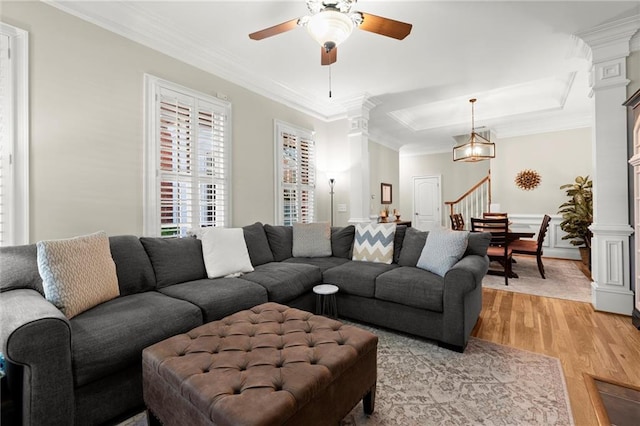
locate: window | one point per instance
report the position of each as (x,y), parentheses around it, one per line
(14,136)
(187,160)
(296,174)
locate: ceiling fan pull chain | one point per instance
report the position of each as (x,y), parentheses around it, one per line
(329,80)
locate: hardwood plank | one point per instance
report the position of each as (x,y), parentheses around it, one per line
(586,341)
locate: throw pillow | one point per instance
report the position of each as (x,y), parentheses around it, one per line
(442,250)
(412,246)
(77,273)
(225,252)
(311,240)
(374,242)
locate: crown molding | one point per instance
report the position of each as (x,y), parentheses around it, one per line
(222,64)
(612,39)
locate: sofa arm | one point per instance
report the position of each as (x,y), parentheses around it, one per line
(34,334)
(467,274)
(462,299)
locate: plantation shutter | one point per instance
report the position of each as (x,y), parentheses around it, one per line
(296,169)
(193,170)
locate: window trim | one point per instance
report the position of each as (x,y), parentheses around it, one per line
(151,168)
(300,132)
(18,225)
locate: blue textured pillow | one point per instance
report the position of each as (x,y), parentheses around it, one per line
(442,250)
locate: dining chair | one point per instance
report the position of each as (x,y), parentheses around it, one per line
(533,247)
(457,222)
(499,249)
(494,215)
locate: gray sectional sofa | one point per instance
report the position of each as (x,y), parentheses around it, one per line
(87,370)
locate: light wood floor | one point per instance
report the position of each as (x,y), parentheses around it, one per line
(603,344)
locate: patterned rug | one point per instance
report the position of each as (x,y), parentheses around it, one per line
(564,279)
(422,384)
(490,384)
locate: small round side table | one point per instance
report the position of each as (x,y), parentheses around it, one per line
(326,300)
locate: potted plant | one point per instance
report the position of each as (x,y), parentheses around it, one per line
(577,215)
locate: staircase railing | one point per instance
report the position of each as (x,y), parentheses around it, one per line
(473,202)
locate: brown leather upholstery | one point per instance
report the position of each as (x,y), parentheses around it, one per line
(268,365)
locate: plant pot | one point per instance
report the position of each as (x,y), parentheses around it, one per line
(585,255)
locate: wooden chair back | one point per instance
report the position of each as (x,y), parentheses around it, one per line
(544,227)
(457,221)
(499,229)
(499,247)
(494,215)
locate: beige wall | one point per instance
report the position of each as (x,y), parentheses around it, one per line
(86,112)
(383,167)
(558,157)
(456,178)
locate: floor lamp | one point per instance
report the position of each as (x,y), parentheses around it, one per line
(332,183)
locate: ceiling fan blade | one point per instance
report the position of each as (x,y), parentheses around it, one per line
(275,30)
(384,26)
(328,58)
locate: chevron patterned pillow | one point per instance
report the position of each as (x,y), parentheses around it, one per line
(77,273)
(374,242)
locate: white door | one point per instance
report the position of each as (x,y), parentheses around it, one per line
(427,200)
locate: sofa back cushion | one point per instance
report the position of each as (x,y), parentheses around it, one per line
(175,260)
(280,240)
(133,267)
(342,241)
(19,268)
(412,246)
(257,244)
(478,243)
(398,240)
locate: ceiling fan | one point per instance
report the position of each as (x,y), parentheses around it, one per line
(331,22)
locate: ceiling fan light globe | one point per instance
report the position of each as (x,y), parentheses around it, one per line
(330,27)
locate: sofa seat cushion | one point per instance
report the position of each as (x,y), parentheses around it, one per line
(355,277)
(412,287)
(285,281)
(112,335)
(323,263)
(219,297)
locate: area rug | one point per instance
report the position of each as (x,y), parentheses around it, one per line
(490,384)
(564,279)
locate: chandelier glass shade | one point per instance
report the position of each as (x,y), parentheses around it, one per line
(478,148)
(330,28)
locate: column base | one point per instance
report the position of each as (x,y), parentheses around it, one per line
(614,301)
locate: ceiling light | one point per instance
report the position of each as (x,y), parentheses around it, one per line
(329,28)
(478,148)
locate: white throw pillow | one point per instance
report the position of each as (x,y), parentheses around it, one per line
(77,273)
(311,240)
(225,252)
(373,242)
(442,250)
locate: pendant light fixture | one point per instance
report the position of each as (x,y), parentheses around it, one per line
(478,148)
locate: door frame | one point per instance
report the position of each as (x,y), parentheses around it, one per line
(413,194)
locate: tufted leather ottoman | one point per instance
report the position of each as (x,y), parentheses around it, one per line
(269,365)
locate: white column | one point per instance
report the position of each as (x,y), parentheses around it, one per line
(611,289)
(360,198)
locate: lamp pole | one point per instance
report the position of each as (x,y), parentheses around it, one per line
(332,183)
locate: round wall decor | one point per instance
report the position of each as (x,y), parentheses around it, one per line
(527,179)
